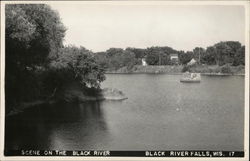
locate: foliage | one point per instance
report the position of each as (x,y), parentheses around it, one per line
(239,58)
(139,53)
(185,57)
(220,53)
(80,65)
(185,69)
(225,69)
(34,33)
(153,59)
(209,56)
(226,51)
(159,55)
(198,53)
(115,58)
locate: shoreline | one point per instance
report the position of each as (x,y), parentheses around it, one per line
(178,70)
(26,105)
(82,98)
(211,74)
(75,94)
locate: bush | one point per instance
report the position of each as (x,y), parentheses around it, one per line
(185,69)
(226,69)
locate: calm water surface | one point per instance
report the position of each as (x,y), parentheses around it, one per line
(160,114)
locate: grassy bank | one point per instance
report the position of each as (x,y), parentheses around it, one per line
(178,69)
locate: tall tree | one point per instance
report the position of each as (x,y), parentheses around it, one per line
(198,53)
(209,56)
(225,51)
(185,57)
(34,34)
(239,57)
(159,55)
(139,53)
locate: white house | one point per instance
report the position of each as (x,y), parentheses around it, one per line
(174,58)
(143,62)
(191,62)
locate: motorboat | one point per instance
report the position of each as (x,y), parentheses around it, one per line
(191,78)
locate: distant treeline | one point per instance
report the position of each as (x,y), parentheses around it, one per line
(228,52)
(39,67)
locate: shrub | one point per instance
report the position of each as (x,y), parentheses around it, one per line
(226,69)
(185,69)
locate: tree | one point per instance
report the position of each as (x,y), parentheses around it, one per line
(198,53)
(101,58)
(152,59)
(115,58)
(209,56)
(34,34)
(239,58)
(78,64)
(225,51)
(159,55)
(139,53)
(113,51)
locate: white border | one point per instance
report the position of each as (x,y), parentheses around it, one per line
(247,35)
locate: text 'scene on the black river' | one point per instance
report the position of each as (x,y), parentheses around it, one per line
(107,153)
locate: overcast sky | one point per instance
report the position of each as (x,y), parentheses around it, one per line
(183,27)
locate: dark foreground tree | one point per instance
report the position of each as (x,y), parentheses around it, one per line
(78,64)
(34,34)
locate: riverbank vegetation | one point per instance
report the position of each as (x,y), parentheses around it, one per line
(228,53)
(40,68)
(179,69)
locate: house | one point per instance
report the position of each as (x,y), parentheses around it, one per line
(174,58)
(143,62)
(192,62)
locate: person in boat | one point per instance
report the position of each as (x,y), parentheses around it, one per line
(193,75)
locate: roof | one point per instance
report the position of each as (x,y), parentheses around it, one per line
(192,61)
(173,54)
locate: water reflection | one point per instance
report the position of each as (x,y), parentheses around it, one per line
(88,127)
(160,113)
(48,127)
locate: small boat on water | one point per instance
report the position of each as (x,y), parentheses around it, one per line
(191,78)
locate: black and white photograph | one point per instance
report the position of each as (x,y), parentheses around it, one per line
(125,79)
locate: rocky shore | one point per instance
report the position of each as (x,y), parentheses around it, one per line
(77,95)
(74,93)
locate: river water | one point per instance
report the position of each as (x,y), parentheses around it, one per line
(160,114)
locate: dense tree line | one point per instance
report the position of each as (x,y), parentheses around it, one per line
(228,52)
(115,58)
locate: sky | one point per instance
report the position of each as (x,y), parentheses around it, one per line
(99,27)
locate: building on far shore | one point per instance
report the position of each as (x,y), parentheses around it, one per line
(174,58)
(192,62)
(143,62)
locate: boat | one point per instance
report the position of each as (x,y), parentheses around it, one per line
(191,78)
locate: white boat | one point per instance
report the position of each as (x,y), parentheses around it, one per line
(191,78)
